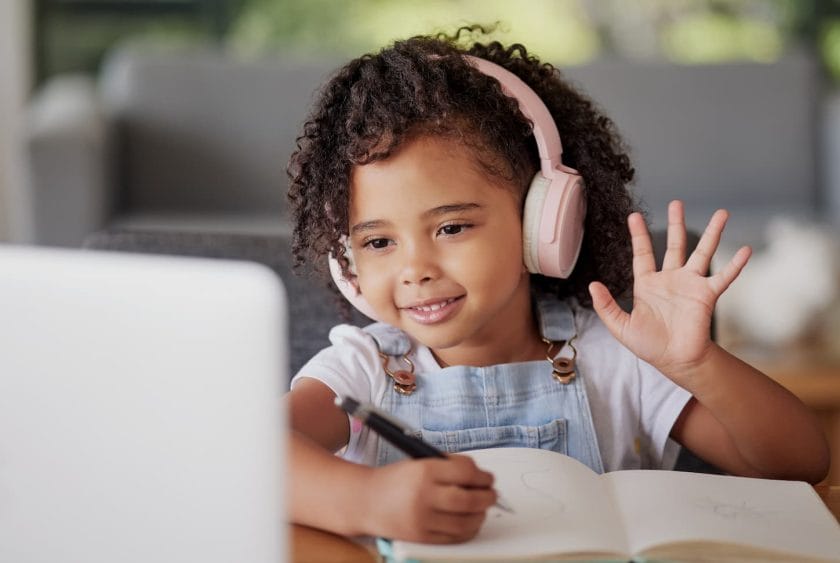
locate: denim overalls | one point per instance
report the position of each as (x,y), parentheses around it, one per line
(461,408)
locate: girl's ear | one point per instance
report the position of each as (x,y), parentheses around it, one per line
(348,286)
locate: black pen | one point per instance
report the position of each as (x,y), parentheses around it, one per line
(395,431)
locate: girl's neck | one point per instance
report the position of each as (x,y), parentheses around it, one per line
(520,341)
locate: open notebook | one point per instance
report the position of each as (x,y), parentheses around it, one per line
(563,510)
(139,408)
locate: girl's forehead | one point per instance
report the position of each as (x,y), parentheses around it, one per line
(422,174)
(423,160)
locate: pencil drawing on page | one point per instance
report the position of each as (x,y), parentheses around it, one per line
(732,510)
(538,487)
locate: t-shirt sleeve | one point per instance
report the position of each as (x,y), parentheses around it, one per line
(350,367)
(661,402)
(346,366)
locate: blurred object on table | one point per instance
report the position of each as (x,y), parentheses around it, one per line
(788,296)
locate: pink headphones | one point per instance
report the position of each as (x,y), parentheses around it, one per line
(552,222)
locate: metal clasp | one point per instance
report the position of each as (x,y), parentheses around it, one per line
(562,369)
(405,382)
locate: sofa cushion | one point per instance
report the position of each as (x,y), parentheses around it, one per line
(740,135)
(190,119)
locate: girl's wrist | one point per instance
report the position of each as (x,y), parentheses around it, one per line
(698,374)
(353,510)
(364,512)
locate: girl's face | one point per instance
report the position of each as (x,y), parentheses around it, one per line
(438,251)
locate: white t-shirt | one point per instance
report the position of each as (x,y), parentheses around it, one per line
(633,405)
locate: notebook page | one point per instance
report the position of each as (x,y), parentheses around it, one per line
(559,504)
(665,506)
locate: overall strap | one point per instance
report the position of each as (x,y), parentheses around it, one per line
(394,343)
(557,322)
(391,341)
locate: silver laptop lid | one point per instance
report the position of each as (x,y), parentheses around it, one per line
(139,408)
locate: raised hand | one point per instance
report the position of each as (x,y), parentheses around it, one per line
(430,500)
(669,326)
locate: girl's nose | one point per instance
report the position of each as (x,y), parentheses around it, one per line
(419,266)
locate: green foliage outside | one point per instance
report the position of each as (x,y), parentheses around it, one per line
(566,32)
(830,46)
(556,29)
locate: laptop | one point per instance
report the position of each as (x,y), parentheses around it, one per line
(140,414)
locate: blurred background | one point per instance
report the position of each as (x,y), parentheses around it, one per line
(75,35)
(722,102)
(180,115)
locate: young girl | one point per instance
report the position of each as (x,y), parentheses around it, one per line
(418,164)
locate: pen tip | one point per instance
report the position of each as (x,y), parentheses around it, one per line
(347,404)
(504,506)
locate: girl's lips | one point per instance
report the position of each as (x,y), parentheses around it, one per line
(434,312)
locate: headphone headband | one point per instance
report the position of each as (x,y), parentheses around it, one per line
(544,128)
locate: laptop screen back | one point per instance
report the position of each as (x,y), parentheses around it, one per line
(140,408)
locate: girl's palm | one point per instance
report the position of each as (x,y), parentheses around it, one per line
(669,326)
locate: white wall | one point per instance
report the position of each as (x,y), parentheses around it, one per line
(15,80)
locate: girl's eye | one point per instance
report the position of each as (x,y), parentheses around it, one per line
(377,243)
(453,229)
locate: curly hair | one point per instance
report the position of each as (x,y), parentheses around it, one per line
(424,86)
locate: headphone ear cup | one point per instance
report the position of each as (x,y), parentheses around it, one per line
(552,223)
(349,288)
(531,217)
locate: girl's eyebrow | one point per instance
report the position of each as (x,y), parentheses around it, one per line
(367,226)
(451,208)
(433,212)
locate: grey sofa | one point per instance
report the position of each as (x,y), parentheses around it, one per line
(189,139)
(199,140)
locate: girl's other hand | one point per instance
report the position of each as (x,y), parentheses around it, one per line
(670,324)
(429,500)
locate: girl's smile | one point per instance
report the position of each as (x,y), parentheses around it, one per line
(431,311)
(437,246)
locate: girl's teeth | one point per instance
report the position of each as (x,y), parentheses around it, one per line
(435,306)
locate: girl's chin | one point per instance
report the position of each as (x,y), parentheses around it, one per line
(435,339)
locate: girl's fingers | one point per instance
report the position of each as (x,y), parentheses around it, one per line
(460,500)
(701,258)
(643,260)
(613,316)
(675,253)
(460,470)
(721,280)
(456,526)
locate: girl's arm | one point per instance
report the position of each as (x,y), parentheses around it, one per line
(433,501)
(739,419)
(769,434)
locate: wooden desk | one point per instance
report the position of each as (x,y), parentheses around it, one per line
(831,498)
(314,546)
